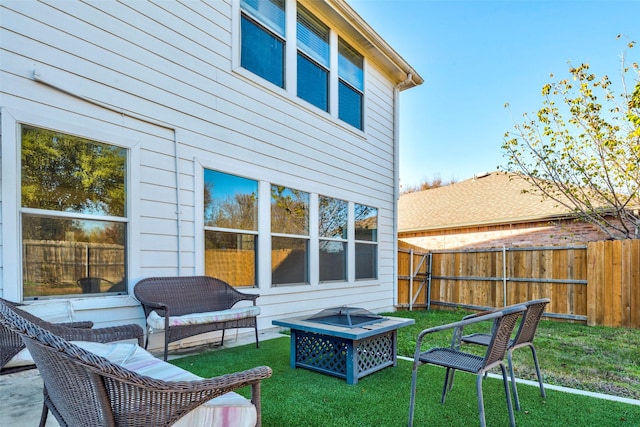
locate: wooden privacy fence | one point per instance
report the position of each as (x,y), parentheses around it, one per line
(598,283)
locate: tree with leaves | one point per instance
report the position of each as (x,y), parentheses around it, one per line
(582,148)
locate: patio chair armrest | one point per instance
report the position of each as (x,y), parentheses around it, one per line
(185,395)
(480,313)
(88,324)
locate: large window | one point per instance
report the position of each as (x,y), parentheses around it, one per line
(73,214)
(366,231)
(350,84)
(333,232)
(231,227)
(263,39)
(313,59)
(289,236)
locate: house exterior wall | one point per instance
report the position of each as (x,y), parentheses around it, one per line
(162,79)
(542,233)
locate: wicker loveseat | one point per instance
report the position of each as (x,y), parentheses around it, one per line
(193,305)
(96,384)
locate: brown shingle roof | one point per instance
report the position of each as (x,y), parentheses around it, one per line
(494,198)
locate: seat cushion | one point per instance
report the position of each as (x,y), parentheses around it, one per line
(156,322)
(230,409)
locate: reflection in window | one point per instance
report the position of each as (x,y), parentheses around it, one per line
(366,232)
(290,235)
(64,176)
(333,231)
(231,224)
(313,59)
(350,84)
(262,39)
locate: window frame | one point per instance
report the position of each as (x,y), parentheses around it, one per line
(268,29)
(236,231)
(375,243)
(305,238)
(69,123)
(333,239)
(301,52)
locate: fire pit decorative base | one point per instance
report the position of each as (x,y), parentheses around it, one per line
(343,351)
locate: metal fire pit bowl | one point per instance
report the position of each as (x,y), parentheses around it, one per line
(349,317)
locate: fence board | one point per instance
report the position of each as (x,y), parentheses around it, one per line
(599,283)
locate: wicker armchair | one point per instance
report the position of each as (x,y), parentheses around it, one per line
(453,359)
(523,338)
(84,389)
(11,343)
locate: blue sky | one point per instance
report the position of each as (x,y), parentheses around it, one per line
(475,56)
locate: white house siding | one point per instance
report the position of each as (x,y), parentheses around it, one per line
(168,67)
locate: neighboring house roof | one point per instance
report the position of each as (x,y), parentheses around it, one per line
(486,199)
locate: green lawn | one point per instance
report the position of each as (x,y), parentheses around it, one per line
(304,398)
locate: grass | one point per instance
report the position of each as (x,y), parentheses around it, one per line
(304,398)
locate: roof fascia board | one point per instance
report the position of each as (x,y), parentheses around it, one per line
(356,29)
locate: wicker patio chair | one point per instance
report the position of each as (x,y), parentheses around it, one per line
(453,359)
(523,338)
(84,389)
(11,343)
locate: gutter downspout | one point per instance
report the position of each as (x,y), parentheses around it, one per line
(396,179)
(38,78)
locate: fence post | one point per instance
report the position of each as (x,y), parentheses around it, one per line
(411,280)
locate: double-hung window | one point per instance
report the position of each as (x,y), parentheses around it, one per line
(333,233)
(350,84)
(313,59)
(366,233)
(289,236)
(73,214)
(263,39)
(231,227)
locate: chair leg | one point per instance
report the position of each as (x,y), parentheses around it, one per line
(257,342)
(535,362)
(412,399)
(43,417)
(166,346)
(448,383)
(483,422)
(516,399)
(512,419)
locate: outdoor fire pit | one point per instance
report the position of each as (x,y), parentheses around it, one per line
(350,317)
(346,342)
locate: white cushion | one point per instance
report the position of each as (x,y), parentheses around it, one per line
(156,322)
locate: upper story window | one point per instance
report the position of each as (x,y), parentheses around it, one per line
(263,36)
(73,213)
(313,59)
(333,232)
(289,236)
(366,231)
(263,39)
(350,84)
(230,228)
